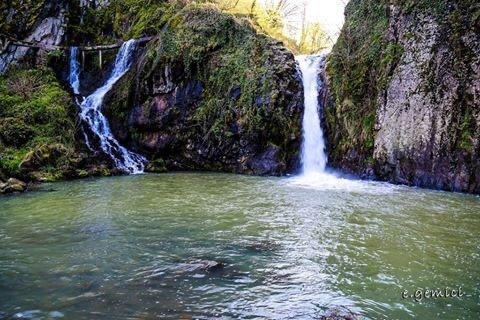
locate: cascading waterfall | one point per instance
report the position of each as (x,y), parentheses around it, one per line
(91,109)
(313,156)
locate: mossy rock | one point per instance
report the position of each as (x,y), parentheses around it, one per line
(48,163)
(156,166)
(14,132)
(209,93)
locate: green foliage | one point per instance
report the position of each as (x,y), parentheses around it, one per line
(434,7)
(391,56)
(124,19)
(225,55)
(10,160)
(88,25)
(368,125)
(14,131)
(137,18)
(279,19)
(313,39)
(466,132)
(195,32)
(34,109)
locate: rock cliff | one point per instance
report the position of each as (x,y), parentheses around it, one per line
(33,22)
(405,93)
(211,96)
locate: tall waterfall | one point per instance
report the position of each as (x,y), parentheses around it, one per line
(313,156)
(91,112)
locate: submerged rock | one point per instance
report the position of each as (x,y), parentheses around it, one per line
(339,313)
(56,314)
(86,296)
(28,314)
(263,246)
(202,265)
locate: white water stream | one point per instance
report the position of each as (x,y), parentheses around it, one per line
(313,154)
(91,112)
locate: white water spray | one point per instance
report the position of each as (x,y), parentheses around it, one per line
(92,115)
(313,156)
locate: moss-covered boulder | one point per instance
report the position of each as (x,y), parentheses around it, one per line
(39,132)
(209,93)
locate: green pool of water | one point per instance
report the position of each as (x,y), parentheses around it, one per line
(218,246)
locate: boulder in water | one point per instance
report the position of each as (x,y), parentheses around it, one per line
(12,185)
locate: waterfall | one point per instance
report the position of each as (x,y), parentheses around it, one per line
(313,156)
(74,70)
(91,114)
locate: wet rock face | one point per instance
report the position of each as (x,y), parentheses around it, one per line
(428,119)
(168,130)
(427,114)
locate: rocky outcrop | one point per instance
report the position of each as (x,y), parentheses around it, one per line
(41,22)
(56,162)
(425,99)
(211,97)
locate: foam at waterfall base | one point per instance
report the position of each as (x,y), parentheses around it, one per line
(333,181)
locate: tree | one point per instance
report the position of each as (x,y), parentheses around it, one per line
(312,38)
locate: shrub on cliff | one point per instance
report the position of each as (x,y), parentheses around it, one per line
(34,110)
